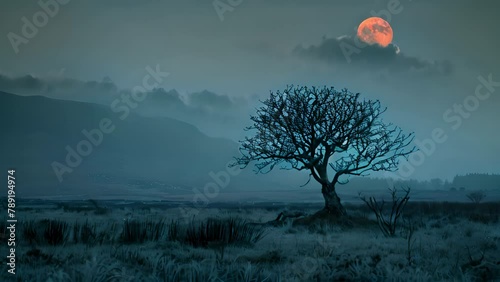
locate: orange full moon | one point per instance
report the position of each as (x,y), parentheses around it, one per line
(375,30)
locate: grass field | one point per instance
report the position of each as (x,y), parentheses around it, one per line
(112,241)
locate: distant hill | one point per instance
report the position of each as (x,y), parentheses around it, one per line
(477,181)
(36,130)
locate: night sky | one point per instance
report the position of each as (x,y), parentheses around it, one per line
(442,51)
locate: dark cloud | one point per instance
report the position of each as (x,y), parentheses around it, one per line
(346,50)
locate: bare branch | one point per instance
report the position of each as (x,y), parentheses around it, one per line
(302,128)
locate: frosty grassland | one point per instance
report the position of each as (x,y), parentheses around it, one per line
(99,241)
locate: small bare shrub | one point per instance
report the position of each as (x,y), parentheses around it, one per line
(388,225)
(476,197)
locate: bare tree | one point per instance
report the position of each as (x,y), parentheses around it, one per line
(476,197)
(321,130)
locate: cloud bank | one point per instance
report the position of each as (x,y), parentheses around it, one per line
(105,91)
(349,50)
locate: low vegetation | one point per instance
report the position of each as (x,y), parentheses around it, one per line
(433,241)
(227,232)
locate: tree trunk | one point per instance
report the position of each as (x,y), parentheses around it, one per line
(332,201)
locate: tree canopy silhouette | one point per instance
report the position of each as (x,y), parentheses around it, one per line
(323,131)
